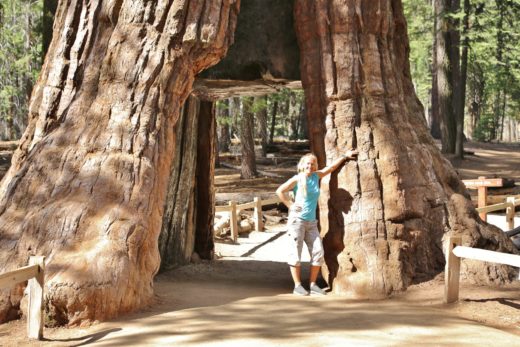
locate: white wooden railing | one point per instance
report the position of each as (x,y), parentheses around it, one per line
(454,252)
(34,272)
(233,210)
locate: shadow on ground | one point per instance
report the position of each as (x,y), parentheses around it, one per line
(242,302)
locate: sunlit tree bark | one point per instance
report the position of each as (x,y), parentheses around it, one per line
(88,184)
(384,216)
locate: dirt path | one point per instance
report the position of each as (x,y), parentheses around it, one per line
(245,301)
(490,159)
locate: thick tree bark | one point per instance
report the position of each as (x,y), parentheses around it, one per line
(189,210)
(384,216)
(177,237)
(247,143)
(205,176)
(87,186)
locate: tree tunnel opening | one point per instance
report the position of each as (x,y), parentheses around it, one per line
(263,59)
(382,230)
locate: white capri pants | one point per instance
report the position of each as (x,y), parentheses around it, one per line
(299,231)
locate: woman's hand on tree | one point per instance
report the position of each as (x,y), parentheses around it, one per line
(351,154)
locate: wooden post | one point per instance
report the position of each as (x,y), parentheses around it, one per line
(451,271)
(233,222)
(482,184)
(35,307)
(482,199)
(510,213)
(259,224)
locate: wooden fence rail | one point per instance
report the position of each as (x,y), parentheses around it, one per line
(509,206)
(454,251)
(233,210)
(34,272)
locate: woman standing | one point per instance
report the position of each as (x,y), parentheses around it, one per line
(302,224)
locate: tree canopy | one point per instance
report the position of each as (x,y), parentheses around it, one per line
(493,78)
(20,61)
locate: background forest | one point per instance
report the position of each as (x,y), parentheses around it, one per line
(464,48)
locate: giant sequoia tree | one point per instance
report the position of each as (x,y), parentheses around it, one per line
(384,216)
(88,185)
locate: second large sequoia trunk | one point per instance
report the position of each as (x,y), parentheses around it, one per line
(384,216)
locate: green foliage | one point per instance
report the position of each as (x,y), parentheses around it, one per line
(20,61)
(495,51)
(259,104)
(419,15)
(223,117)
(484,128)
(279,104)
(494,58)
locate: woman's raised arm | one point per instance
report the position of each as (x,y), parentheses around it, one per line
(351,154)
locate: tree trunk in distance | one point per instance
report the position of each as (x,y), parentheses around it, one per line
(459,143)
(236,109)
(384,216)
(477,95)
(285,112)
(447,73)
(247,143)
(261,116)
(503,115)
(435,117)
(303,122)
(11,130)
(273,121)
(456,75)
(87,185)
(225,136)
(292,116)
(499,55)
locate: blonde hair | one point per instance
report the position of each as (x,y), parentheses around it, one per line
(302,178)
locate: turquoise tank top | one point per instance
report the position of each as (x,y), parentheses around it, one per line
(308,203)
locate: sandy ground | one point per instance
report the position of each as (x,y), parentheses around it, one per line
(243,299)
(490,160)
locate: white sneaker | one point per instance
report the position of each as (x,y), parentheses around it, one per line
(299,290)
(315,290)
